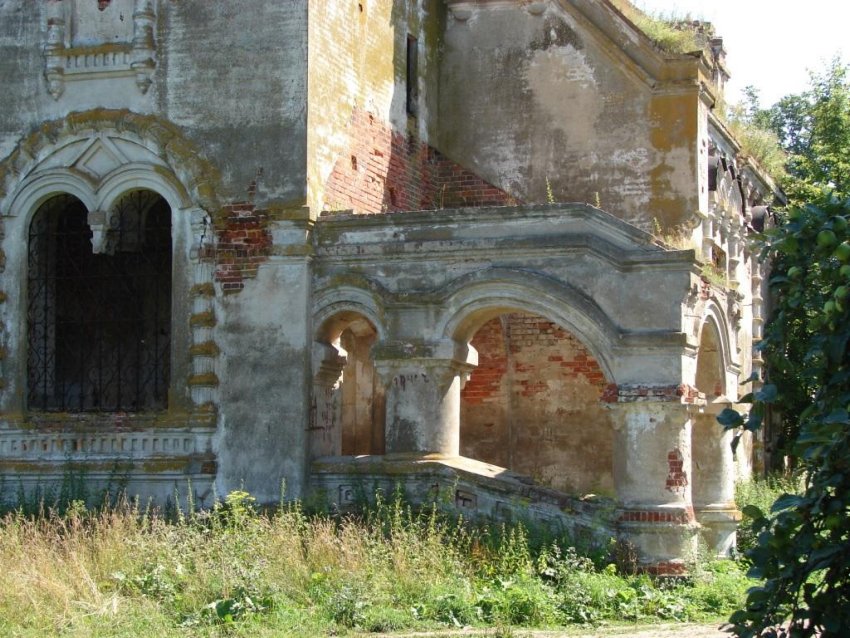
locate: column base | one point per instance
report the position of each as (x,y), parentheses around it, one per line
(657,539)
(719,525)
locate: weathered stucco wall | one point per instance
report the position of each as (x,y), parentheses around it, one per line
(213,117)
(530,99)
(236,79)
(21,68)
(231,75)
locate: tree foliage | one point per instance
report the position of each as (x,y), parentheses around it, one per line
(803,549)
(803,543)
(813,127)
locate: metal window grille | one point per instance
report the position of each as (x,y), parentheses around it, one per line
(99,324)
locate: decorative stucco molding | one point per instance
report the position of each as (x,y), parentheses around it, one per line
(107,53)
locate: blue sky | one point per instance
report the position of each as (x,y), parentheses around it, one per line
(771,44)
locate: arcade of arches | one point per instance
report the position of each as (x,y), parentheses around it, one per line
(532,405)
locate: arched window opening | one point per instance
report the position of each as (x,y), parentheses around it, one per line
(533,405)
(99,306)
(348,395)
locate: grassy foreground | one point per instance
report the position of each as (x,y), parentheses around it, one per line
(122,571)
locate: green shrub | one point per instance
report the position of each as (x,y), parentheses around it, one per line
(761,492)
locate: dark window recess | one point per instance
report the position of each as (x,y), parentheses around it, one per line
(98,325)
(412,75)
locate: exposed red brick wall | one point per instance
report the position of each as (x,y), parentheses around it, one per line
(243,242)
(678,516)
(526,332)
(677,478)
(384,170)
(485,382)
(665,568)
(532,405)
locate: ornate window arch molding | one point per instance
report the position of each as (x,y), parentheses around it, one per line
(99,157)
(157,142)
(37,188)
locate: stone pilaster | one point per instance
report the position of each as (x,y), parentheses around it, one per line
(714,483)
(325,410)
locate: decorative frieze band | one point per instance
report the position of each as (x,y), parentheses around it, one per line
(60,446)
(631,393)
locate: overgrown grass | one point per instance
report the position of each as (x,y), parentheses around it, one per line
(761,492)
(670,33)
(757,143)
(125,571)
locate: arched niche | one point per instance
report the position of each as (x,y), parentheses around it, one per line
(532,405)
(713,467)
(348,404)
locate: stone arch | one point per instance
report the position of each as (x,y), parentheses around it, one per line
(713,331)
(533,403)
(347,411)
(713,466)
(473,300)
(140,177)
(329,315)
(52,145)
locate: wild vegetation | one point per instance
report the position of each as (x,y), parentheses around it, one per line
(801,543)
(672,34)
(234,570)
(758,141)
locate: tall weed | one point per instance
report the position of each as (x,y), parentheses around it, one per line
(126,570)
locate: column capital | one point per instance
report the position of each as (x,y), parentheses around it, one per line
(630,393)
(423,381)
(441,361)
(327,364)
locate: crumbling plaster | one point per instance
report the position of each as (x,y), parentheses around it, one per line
(554,66)
(251,108)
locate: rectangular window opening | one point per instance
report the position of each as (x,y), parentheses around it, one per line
(412,78)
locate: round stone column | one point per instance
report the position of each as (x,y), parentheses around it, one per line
(714,482)
(652,475)
(422,399)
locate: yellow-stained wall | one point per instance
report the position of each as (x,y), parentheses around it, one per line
(546,106)
(357,61)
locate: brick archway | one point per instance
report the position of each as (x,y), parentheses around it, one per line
(533,405)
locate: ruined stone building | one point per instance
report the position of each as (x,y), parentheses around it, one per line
(316,242)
